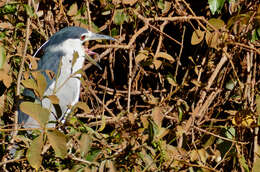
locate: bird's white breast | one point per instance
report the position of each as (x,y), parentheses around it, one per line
(67,86)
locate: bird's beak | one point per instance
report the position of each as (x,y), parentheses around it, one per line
(93,36)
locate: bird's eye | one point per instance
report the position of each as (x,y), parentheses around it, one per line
(82,38)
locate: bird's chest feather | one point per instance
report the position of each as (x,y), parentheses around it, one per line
(73,58)
(71,62)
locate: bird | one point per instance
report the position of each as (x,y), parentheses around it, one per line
(59,58)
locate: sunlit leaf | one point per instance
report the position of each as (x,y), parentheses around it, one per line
(142,55)
(58,142)
(54,99)
(41,83)
(75,57)
(257,101)
(157,64)
(2,57)
(73,10)
(197,37)
(129,2)
(83,106)
(6,25)
(36,111)
(230,84)
(120,17)
(243,163)
(7,79)
(256,165)
(33,153)
(215,5)
(212,39)
(217,23)
(171,81)
(29,10)
(165,56)
(29,83)
(103,123)
(161,4)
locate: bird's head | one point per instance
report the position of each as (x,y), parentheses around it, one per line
(76,35)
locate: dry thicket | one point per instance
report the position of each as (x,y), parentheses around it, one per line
(177,91)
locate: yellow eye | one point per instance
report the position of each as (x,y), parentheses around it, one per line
(82,38)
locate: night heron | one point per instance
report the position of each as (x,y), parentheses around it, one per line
(59,57)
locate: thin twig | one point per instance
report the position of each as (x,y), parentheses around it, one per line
(130,80)
(224,138)
(28,23)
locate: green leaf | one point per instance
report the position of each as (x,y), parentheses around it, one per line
(93,154)
(161,4)
(19,25)
(230,84)
(114,32)
(230,132)
(36,111)
(215,5)
(120,17)
(58,142)
(2,57)
(243,162)
(29,10)
(33,154)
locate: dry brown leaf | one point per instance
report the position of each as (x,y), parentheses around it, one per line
(2,104)
(164,55)
(157,64)
(54,99)
(83,106)
(145,122)
(73,10)
(157,116)
(84,144)
(217,23)
(29,83)
(197,37)
(6,26)
(33,154)
(212,39)
(167,7)
(131,118)
(41,83)
(58,142)
(129,2)
(142,55)
(36,111)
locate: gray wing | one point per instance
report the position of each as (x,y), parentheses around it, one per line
(49,61)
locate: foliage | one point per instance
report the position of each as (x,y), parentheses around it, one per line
(179,90)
